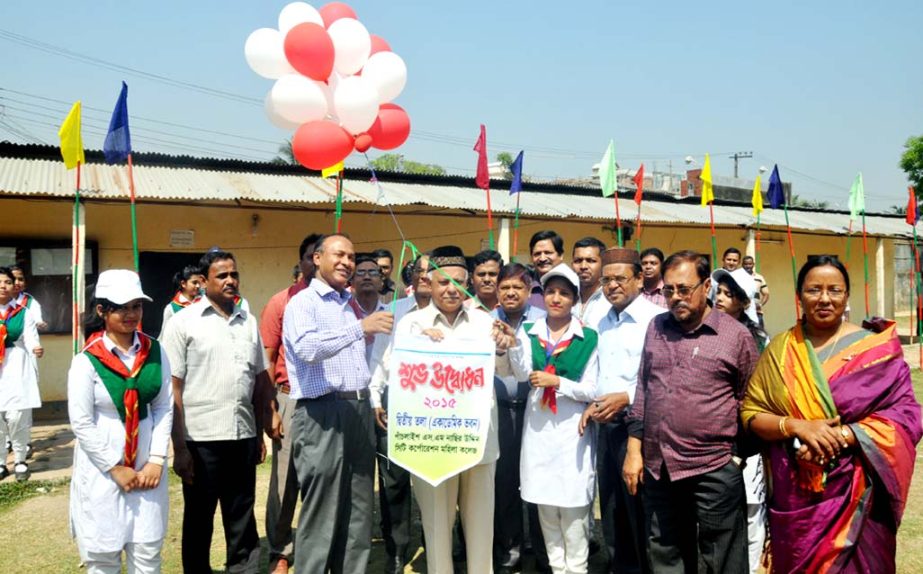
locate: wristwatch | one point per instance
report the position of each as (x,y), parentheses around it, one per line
(155,459)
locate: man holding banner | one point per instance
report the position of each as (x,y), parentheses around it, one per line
(442,423)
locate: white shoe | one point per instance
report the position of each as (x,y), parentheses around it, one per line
(22,471)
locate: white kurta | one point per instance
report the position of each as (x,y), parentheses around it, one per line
(103,517)
(557,466)
(18,379)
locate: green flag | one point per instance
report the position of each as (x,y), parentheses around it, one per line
(607,176)
(856,198)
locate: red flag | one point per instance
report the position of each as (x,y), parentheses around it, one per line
(912,214)
(639,184)
(483,177)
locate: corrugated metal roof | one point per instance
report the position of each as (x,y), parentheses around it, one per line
(20,176)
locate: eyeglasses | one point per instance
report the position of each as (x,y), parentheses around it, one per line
(368,273)
(618,280)
(682,290)
(834,293)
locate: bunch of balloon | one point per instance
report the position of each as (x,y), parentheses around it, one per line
(334,83)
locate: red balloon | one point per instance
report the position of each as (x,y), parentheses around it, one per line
(363,142)
(321,144)
(391,128)
(309,49)
(379,44)
(336,10)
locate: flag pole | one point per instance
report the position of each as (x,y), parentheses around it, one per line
(516,229)
(848,237)
(918,289)
(490,220)
(618,217)
(339,203)
(915,270)
(75,277)
(638,242)
(714,239)
(865,263)
(134,215)
(756,262)
(791,249)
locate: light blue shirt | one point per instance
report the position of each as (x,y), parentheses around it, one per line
(324,343)
(621,340)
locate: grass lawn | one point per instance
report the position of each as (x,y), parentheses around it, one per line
(35,534)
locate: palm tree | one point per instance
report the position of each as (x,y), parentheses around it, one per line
(286,155)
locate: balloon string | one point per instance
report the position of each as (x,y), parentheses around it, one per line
(381,197)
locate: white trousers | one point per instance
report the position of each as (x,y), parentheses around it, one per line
(756,534)
(567,537)
(16,427)
(473,493)
(140,559)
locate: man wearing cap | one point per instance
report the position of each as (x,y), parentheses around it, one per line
(222,395)
(683,427)
(472,491)
(283,483)
(333,437)
(621,340)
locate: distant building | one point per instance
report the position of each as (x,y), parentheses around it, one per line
(728,188)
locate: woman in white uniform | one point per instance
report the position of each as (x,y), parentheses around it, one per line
(558,356)
(120,402)
(187,285)
(19,343)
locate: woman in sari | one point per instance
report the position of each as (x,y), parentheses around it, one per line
(835,404)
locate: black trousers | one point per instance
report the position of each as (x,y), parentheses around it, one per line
(712,504)
(622,514)
(395,499)
(509,524)
(333,446)
(225,473)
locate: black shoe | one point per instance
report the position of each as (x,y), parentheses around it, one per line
(394,565)
(4,472)
(28,451)
(594,547)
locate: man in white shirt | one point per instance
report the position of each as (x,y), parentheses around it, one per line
(586,261)
(222,395)
(621,339)
(472,491)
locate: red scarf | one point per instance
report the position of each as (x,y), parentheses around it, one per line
(549,394)
(5,316)
(97,348)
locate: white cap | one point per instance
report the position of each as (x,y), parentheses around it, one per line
(119,286)
(742,279)
(564,271)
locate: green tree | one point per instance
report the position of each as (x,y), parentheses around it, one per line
(912,162)
(798,201)
(286,155)
(395,162)
(506,160)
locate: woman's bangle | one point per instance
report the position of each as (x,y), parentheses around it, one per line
(782,428)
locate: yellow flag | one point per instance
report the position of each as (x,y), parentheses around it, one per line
(757,199)
(708,191)
(71,142)
(332,170)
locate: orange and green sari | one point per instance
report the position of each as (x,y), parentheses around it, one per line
(842,517)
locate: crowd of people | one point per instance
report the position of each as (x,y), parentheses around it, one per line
(645,380)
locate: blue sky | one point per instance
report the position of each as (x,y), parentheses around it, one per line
(824,89)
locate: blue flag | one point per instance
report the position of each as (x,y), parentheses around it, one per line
(516,169)
(776,193)
(118,140)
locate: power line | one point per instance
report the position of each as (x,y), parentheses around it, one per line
(100,63)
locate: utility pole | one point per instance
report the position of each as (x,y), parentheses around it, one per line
(739,156)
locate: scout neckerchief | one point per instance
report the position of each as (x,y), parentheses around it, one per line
(26,300)
(130,391)
(12,323)
(551,358)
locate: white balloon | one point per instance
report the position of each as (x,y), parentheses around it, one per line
(356,103)
(352,45)
(298,13)
(389,74)
(274,116)
(298,99)
(265,54)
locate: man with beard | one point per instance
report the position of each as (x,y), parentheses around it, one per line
(683,427)
(332,427)
(222,395)
(547,250)
(621,339)
(486,267)
(587,264)
(283,484)
(652,290)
